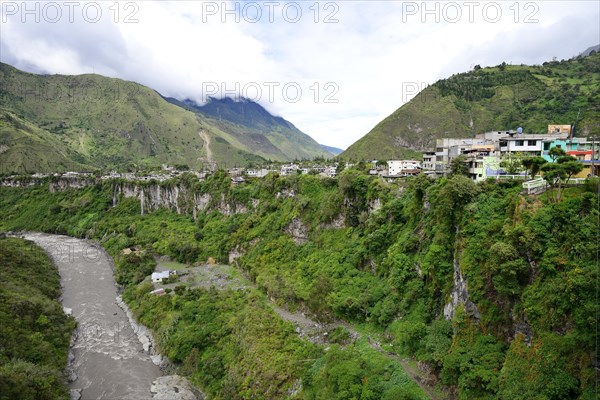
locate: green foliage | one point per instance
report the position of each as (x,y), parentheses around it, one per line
(458,166)
(527,262)
(230,342)
(473,364)
(357,373)
(513,164)
(437,342)
(339,335)
(556,152)
(29,381)
(539,371)
(533,165)
(564,168)
(409,333)
(452,196)
(34,331)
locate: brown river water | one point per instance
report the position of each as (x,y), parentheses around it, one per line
(109,360)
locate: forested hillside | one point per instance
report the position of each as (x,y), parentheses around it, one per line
(34,331)
(493,290)
(487,99)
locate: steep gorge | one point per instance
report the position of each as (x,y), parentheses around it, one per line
(442,269)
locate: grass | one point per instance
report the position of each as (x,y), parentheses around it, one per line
(172,265)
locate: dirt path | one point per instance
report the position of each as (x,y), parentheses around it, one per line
(204,136)
(414,373)
(317,333)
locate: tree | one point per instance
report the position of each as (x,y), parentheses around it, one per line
(454,195)
(565,159)
(362,166)
(556,152)
(571,168)
(554,174)
(513,164)
(533,165)
(458,166)
(570,165)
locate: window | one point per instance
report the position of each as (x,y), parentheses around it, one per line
(531,142)
(519,143)
(547,146)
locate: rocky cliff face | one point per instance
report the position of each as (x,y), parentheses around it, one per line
(70,183)
(459,295)
(298,231)
(152,196)
(177,198)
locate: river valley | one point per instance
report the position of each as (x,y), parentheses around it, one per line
(108,360)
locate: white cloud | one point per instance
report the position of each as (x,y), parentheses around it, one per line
(370,54)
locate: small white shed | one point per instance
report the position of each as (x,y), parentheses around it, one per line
(157,277)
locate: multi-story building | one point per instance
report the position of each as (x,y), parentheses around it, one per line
(484,153)
(429,164)
(403,167)
(526,145)
(570,145)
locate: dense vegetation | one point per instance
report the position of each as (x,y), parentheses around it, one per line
(376,254)
(487,99)
(34,331)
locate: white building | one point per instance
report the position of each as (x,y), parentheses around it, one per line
(157,277)
(329,171)
(289,169)
(403,167)
(257,173)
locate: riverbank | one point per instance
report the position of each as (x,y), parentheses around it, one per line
(34,330)
(112,355)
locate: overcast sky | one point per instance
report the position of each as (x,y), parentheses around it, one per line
(334,69)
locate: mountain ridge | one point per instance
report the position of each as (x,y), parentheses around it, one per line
(334,150)
(89,122)
(248,121)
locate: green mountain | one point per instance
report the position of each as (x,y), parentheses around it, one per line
(25,147)
(486,99)
(249,123)
(58,122)
(333,150)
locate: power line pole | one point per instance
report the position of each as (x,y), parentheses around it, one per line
(593,139)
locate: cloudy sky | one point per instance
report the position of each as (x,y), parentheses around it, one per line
(333,68)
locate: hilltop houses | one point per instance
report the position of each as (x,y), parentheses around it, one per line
(487,152)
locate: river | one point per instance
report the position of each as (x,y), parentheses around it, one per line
(109,360)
